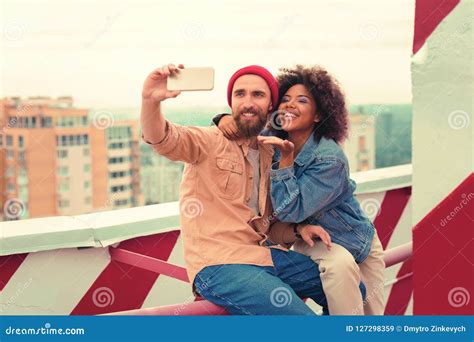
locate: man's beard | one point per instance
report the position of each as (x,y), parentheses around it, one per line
(249,128)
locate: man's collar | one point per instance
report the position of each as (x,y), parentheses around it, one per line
(245,145)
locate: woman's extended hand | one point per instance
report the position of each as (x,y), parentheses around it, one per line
(287,149)
(309,231)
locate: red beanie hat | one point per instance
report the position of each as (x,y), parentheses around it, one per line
(259,71)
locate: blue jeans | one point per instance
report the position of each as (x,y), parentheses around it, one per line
(262,290)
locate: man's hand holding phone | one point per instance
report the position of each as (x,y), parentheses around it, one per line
(155,86)
(164,83)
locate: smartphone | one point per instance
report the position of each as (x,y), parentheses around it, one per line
(192,79)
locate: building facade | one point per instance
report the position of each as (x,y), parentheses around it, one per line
(55,160)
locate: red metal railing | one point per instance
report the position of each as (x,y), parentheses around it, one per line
(199,307)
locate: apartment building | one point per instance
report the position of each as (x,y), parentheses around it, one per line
(55,159)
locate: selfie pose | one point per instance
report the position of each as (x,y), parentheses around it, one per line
(229,260)
(310,184)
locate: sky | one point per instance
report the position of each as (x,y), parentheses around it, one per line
(100,51)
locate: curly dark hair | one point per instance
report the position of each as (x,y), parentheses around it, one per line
(329,98)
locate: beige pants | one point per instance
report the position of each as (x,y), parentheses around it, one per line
(341,275)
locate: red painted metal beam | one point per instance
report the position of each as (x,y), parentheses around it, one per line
(198,308)
(398,254)
(204,307)
(149,263)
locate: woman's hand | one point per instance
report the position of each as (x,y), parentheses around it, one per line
(287,149)
(309,231)
(154,87)
(229,128)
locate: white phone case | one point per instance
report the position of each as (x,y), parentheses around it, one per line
(189,79)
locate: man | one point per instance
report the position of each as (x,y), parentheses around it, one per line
(225,205)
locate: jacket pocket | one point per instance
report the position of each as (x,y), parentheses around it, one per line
(229,178)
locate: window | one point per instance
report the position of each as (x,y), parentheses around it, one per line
(114,146)
(121,202)
(84,121)
(14,121)
(23,192)
(116,160)
(11,187)
(63,170)
(63,203)
(21,156)
(88,200)
(117,174)
(72,140)
(46,122)
(64,186)
(87,167)
(9,140)
(62,154)
(10,171)
(86,152)
(119,188)
(10,155)
(22,178)
(21,141)
(87,184)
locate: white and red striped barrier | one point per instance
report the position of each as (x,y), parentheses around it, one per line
(147,272)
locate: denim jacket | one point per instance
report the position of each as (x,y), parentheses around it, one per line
(318,190)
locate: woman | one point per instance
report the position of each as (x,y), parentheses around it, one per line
(310,184)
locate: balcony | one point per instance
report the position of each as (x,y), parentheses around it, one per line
(130,260)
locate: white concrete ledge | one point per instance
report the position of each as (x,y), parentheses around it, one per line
(105,228)
(99,229)
(388,178)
